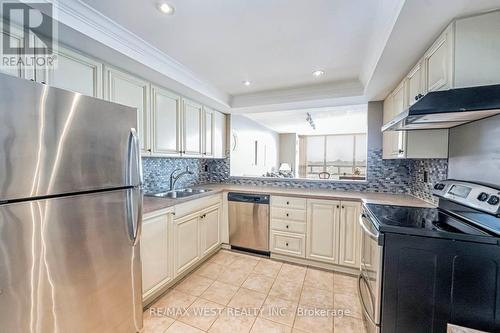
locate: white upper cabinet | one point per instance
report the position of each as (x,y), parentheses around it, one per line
(219,145)
(192,128)
(16,39)
(129,90)
(415,83)
(166,122)
(209,131)
(74,72)
(438,62)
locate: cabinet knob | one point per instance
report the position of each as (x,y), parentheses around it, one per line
(338,206)
(288,202)
(401,151)
(286,244)
(149,149)
(287,214)
(343,207)
(287,226)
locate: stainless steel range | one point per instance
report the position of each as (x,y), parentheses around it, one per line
(425,268)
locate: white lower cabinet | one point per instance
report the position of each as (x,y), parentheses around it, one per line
(288,243)
(350,233)
(186,242)
(323,230)
(210,230)
(195,236)
(333,232)
(156,253)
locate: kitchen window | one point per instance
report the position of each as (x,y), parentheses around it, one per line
(335,157)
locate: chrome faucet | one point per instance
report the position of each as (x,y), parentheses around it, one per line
(174,178)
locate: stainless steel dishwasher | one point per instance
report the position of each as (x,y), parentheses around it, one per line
(249,222)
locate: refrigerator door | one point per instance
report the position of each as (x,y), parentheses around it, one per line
(69,264)
(53,141)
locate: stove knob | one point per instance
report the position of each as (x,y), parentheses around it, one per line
(494,200)
(483,196)
(439,186)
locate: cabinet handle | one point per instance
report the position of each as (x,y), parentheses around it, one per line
(286,244)
(343,207)
(338,206)
(149,149)
(401,151)
(287,226)
(287,214)
(288,202)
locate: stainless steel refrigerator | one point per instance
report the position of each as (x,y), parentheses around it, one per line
(70,212)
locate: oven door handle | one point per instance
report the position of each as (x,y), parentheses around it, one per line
(363,223)
(362,301)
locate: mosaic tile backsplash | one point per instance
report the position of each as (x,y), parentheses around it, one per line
(385,176)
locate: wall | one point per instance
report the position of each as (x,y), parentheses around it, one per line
(289,151)
(475,151)
(385,176)
(243,158)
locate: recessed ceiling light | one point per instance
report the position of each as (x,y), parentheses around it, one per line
(166,8)
(247,83)
(318,73)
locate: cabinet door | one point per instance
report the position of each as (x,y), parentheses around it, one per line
(349,254)
(155,253)
(219,135)
(208,136)
(210,230)
(415,83)
(128,90)
(391,139)
(186,243)
(438,63)
(166,122)
(74,72)
(323,230)
(192,135)
(16,39)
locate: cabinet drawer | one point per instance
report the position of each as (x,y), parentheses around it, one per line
(288,214)
(287,243)
(288,226)
(296,203)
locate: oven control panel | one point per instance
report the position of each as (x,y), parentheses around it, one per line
(472,195)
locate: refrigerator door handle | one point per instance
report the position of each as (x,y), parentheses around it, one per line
(134,217)
(134,153)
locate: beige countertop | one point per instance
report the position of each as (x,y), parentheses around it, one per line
(152,204)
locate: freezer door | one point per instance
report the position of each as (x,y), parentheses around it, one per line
(70,265)
(53,141)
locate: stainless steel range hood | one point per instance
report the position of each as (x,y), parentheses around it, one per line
(449,108)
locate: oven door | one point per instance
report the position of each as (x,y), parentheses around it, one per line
(370,278)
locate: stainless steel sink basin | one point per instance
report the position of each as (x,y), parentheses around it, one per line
(186,192)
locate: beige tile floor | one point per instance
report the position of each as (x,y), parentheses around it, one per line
(239,293)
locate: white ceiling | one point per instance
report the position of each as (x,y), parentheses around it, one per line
(365,46)
(274,44)
(332,120)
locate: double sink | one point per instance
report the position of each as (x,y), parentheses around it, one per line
(176,194)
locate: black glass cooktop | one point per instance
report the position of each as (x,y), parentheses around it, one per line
(423,221)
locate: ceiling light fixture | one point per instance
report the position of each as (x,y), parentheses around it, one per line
(318,73)
(310,120)
(166,8)
(247,83)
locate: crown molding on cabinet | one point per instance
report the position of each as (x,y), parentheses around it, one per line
(81,17)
